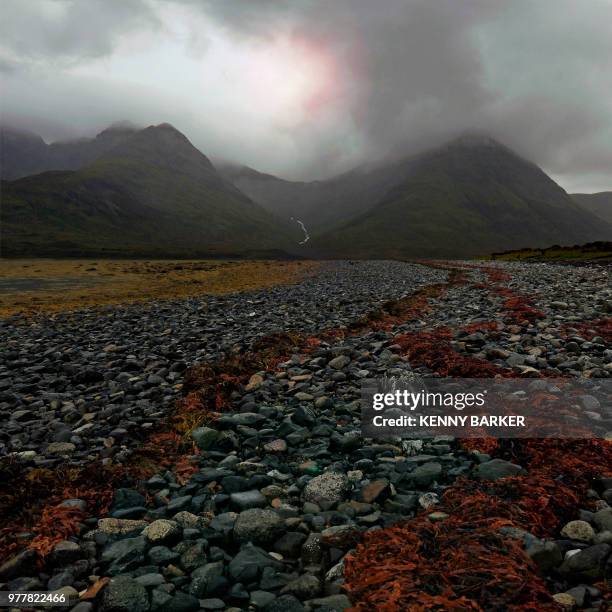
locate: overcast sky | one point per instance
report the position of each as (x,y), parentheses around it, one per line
(307,88)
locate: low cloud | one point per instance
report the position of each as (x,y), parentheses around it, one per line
(406,73)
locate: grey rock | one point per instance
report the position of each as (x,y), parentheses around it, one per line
(290,544)
(285,603)
(162,531)
(260,599)
(249,562)
(162,555)
(126,498)
(340,362)
(328,488)
(203,577)
(65,552)
(306,586)
(587,564)
(546,555)
(258,526)
(180,602)
(248,499)
(603,519)
(124,555)
(424,475)
(205,437)
(338,603)
(150,580)
(496,469)
(124,594)
(22,564)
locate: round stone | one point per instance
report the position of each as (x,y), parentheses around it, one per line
(329,488)
(258,526)
(565,600)
(578,530)
(162,531)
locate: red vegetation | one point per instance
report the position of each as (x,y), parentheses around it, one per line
(434,350)
(30,502)
(56,520)
(464,562)
(598,327)
(481,326)
(519,309)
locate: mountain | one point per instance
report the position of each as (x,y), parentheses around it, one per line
(319,204)
(152,193)
(599,204)
(470,197)
(23,153)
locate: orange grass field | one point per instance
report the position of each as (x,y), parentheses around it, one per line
(32,286)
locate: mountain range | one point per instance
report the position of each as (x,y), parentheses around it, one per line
(150,192)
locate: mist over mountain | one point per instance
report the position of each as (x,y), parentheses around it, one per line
(469,197)
(151,192)
(23,153)
(319,204)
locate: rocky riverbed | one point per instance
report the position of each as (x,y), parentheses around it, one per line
(283,487)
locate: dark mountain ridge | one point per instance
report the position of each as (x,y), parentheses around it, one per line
(469,197)
(153,192)
(143,191)
(599,204)
(23,153)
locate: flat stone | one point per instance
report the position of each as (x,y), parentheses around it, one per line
(60,448)
(341,536)
(276,446)
(338,603)
(124,555)
(565,600)
(306,586)
(162,531)
(65,552)
(245,500)
(120,527)
(496,469)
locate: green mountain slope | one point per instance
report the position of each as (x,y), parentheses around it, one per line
(471,197)
(153,193)
(599,204)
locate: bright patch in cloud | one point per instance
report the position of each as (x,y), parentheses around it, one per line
(290,79)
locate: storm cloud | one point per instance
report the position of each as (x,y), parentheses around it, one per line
(308,88)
